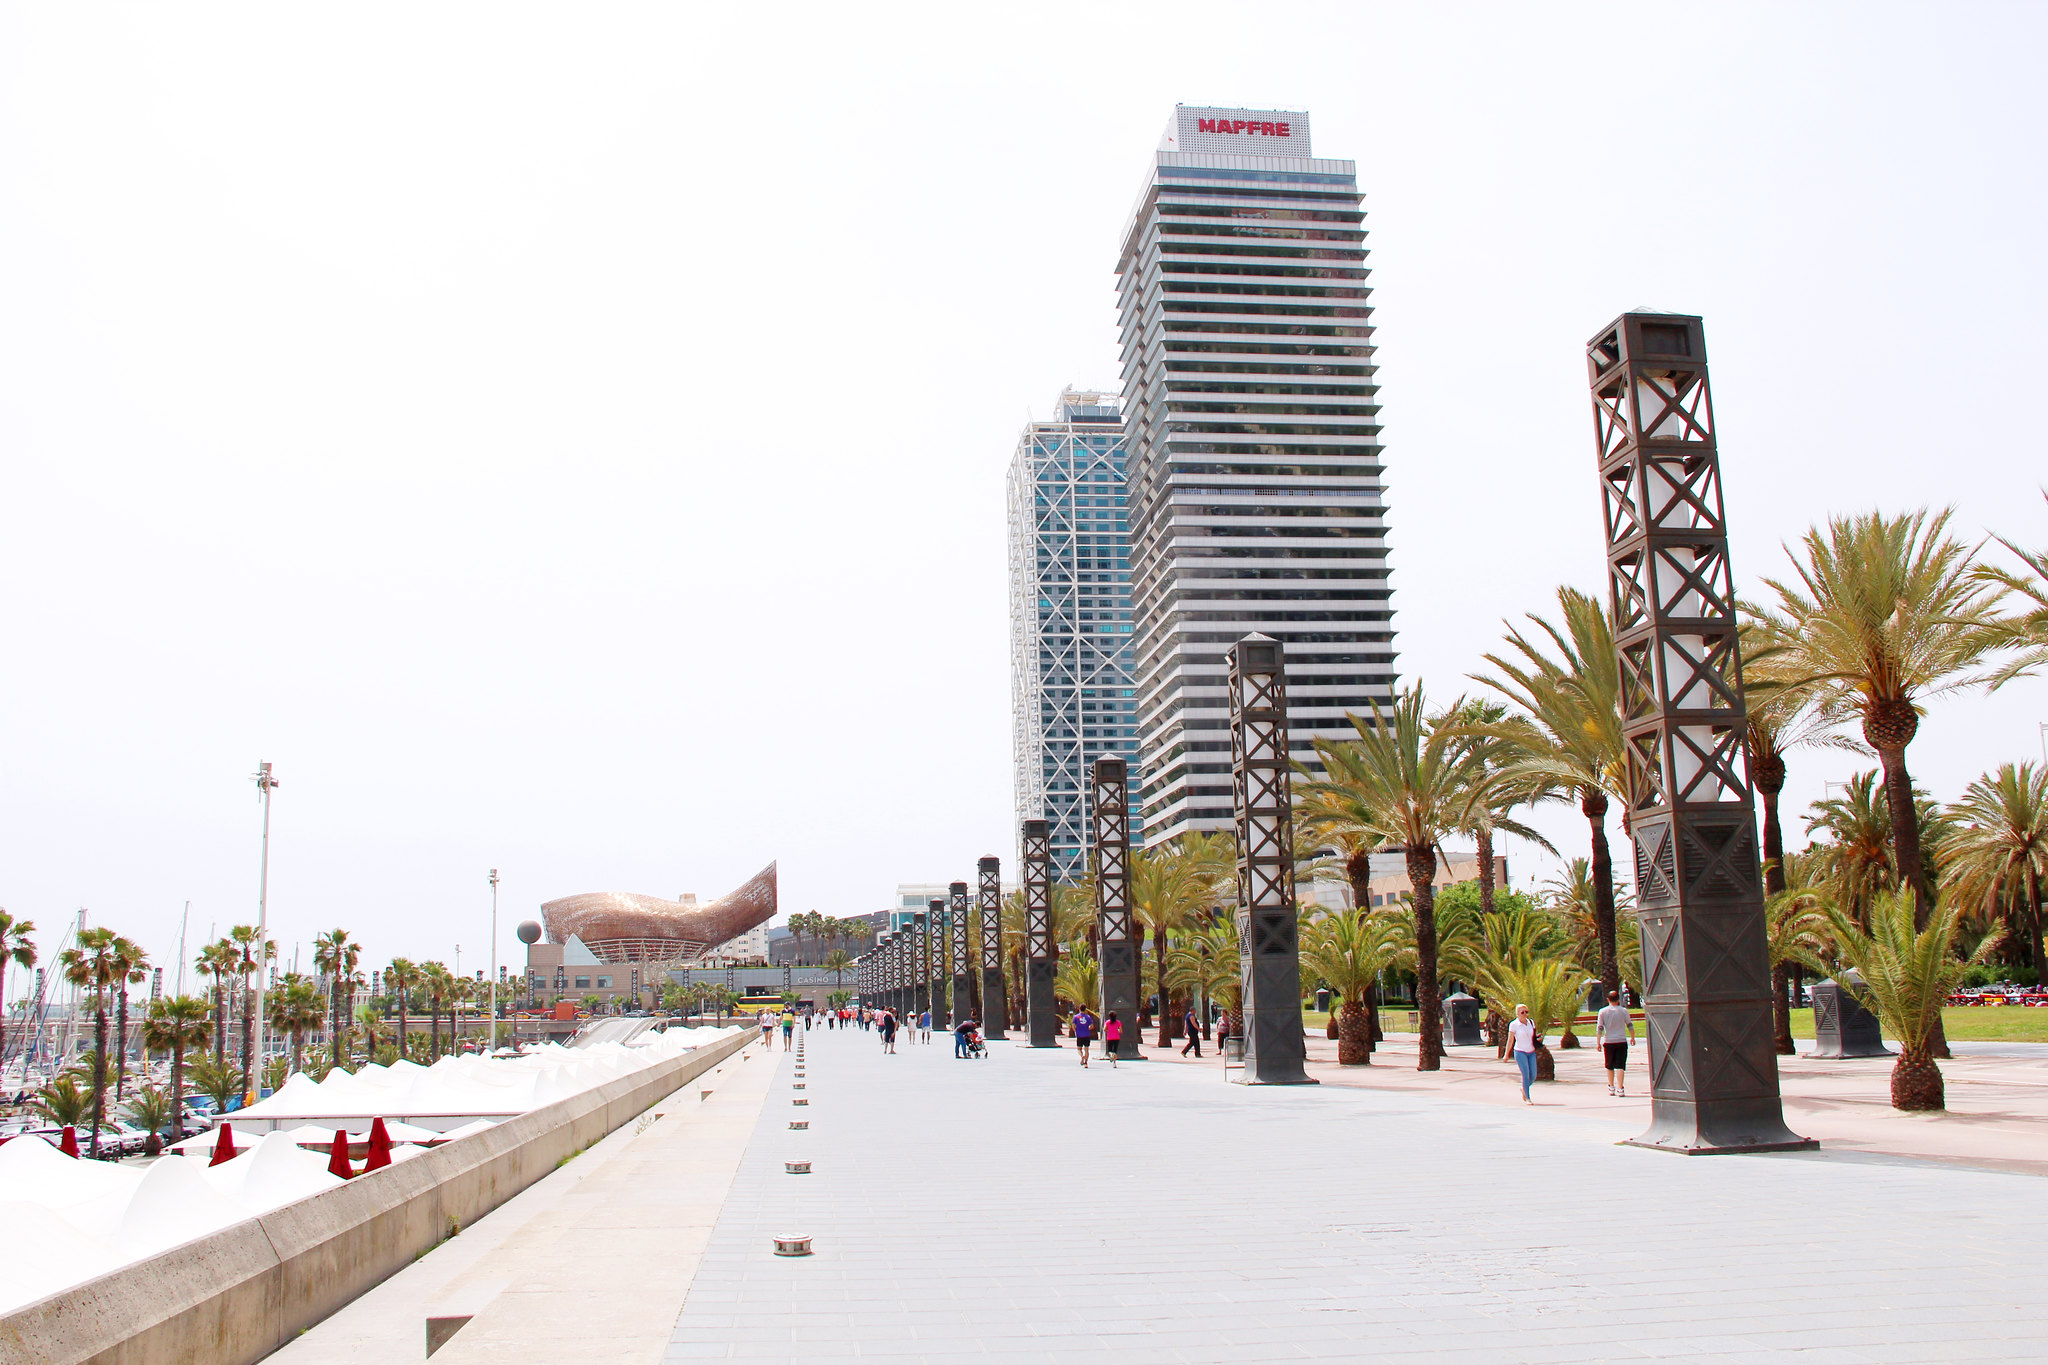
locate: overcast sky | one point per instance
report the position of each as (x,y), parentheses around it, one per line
(570,439)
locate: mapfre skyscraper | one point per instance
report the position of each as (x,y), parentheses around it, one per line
(1252,419)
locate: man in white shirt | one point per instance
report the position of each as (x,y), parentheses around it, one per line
(1616,1032)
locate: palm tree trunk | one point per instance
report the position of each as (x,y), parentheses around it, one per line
(1767,771)
(434,1030)
(1429,1043)
(1888,727)
(1166,1018)
(1916,1081)
(220,1016)
(1354,1048)
(298,1048)
(1358,871)
(1593,803)
(1483,846)
(178,1082)
(121,1052)
(248,1028)
(334,1017)
(2034,926)
(99,1069)
(403,1036)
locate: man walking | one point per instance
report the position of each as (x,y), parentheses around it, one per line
(1194,1032)
(924,1026)
(1084,1032)
(1616,1032)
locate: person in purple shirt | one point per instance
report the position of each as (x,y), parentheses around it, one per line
(1084,1032)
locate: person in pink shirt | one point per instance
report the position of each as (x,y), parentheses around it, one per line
(1112,1035)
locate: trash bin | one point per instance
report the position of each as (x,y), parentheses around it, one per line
(1461,1021)
(1841,1027)
(1596,997)
(1322,1000)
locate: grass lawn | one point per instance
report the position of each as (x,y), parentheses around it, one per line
(1976,1024)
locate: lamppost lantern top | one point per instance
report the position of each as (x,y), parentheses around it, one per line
(1258,654)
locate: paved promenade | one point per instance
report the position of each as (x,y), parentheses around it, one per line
(1023,1208)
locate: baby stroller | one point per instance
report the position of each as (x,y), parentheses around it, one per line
(975,1047)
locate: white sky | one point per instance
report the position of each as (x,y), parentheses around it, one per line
(570,439)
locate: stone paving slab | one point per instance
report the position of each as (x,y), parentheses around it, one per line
(1021,1208)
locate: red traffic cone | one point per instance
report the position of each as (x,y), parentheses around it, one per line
(69,1145)
(380,1147)
(223,1145)
(337,1158)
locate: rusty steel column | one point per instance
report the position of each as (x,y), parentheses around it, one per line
(962,915)
(920,964)
(1117,963)
(995,996)
(1699,886)
(1268,928)
(1041,954)
(937,971)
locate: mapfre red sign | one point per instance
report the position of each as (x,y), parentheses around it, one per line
(1249,127)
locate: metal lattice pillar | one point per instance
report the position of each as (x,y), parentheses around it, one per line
(1118,963)
(920,965)
(1268,928)
(1699,887)
(995,996)
(1041,954)
(895,960)
(937,970)
(961,914)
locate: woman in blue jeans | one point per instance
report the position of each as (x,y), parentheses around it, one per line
(1523,1032)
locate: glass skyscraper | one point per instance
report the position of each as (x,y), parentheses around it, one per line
(1072,699)
(1252,416)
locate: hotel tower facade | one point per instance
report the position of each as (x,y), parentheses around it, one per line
(1251,416)
(1071,695)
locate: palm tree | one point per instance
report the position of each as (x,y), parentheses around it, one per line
(336,954)
(1856,861)
(1412,781)
(1077,979)
(1170,886)
(176,1024)
(152,1110)
(2029,629)
(370,1020)
(131,968)
(1569,743)
(218,959)
(63,1102)
(250,959)
(1795,935)
(1572,900)
(1782,716)
(400,978)
(1998,852)
(92,965)
(294,1011)
(1348,951)
(1907,974)
(439,985)
(1549,986)
(1888,612)
(218,1078)
(836,962)
(18,948)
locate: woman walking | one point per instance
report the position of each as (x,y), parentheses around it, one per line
(1112,1034)
(1523,1035)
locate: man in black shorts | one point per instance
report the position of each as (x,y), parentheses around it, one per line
(1616,1031)
(1084,1032)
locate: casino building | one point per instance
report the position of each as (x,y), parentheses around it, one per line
(1251,417)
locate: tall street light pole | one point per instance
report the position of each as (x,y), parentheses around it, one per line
(266,783)
(493,1033)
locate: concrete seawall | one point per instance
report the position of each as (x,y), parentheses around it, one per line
(237,1295)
